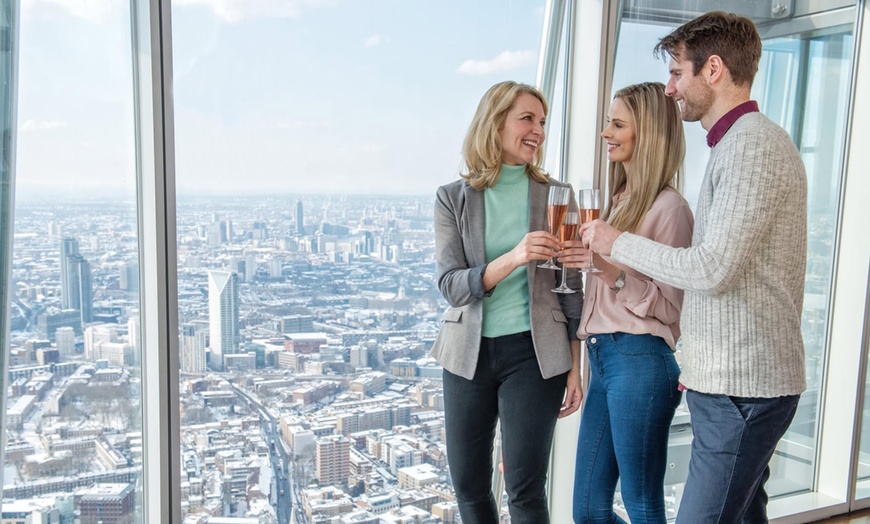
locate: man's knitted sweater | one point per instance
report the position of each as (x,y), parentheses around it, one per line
(744,274)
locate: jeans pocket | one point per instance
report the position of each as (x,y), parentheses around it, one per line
(634,345)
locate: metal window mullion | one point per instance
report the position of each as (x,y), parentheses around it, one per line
(152,81)
(8,126)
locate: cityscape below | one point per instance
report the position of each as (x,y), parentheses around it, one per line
(306,392)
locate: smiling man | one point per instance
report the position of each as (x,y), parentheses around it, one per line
(742,352)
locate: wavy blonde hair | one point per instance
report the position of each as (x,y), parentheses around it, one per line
(482,148)
(657,160)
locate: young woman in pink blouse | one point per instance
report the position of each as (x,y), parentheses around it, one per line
(630,321)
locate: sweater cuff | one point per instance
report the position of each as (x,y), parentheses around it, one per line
(475,283)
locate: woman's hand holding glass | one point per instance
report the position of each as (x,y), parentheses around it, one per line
(535,246)
(574,254)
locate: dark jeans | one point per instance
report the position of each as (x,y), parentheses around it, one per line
(507,385)
(734,439)
(633,393)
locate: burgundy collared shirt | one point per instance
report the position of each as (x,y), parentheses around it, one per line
(724,124)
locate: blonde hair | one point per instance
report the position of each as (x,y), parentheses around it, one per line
(482,148)
(657,160)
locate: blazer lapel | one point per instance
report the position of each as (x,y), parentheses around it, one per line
(537,207)
(474,208)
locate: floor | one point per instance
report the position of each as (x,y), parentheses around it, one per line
(861,517)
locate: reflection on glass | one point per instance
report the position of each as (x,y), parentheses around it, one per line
(310,141)
(73,421)
(802,84)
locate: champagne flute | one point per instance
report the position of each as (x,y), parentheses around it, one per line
(557,206)
(590,209)
(566,233)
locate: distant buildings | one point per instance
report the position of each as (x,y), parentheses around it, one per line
(77,291)
(332,460)
(223,316)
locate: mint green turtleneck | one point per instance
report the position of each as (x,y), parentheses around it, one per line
(506,207)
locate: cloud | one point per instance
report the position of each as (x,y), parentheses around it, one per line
(376,40)
(36,125)
(233,11)
(505,61)
(93,11)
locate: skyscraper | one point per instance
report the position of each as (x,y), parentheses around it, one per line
(192,349)
(223,315)
(77,291)
(68,247)
(300,219)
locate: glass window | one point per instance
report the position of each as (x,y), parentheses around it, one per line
(73,420)
(310,140)
(803,84)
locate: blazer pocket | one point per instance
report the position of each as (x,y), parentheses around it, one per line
(453,315)
(558,316)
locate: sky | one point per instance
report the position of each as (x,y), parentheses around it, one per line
(271,96)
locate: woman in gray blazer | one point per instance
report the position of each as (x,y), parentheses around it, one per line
(507,343)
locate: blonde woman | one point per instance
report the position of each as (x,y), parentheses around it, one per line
(630,321)
(508,346)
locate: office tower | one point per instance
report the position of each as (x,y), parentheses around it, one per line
(359,356)
(227,230)
(223,315)
(47,323)
(276,266)
(66,341)
(250,268)
(297,324)
(77,292)
(332,460)
(134,332)
(192,348)
(129,276)
(68,247)
(300,221)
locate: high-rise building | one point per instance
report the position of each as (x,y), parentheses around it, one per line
(129,276)
(77,291)
(134,331)
(68,247)
(223,315)
(300,219)
(332,460)
(65,337)
(192,348)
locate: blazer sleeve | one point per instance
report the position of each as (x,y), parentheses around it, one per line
(459,284)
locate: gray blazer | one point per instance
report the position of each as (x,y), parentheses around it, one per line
(461,260)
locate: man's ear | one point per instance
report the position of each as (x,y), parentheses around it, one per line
(714,70)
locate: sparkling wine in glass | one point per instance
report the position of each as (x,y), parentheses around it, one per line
(557,206)
(566,233)
(590,209)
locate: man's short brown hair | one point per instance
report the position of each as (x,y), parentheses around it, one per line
(733,38)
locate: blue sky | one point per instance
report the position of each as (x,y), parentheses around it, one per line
(271,96)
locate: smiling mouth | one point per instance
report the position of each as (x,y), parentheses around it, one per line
(530,143)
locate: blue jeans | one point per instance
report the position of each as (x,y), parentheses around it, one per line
(507,385)
(734,439)
(633,393)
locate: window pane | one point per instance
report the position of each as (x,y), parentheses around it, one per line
(311,138)
(73,419)
(802,84)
